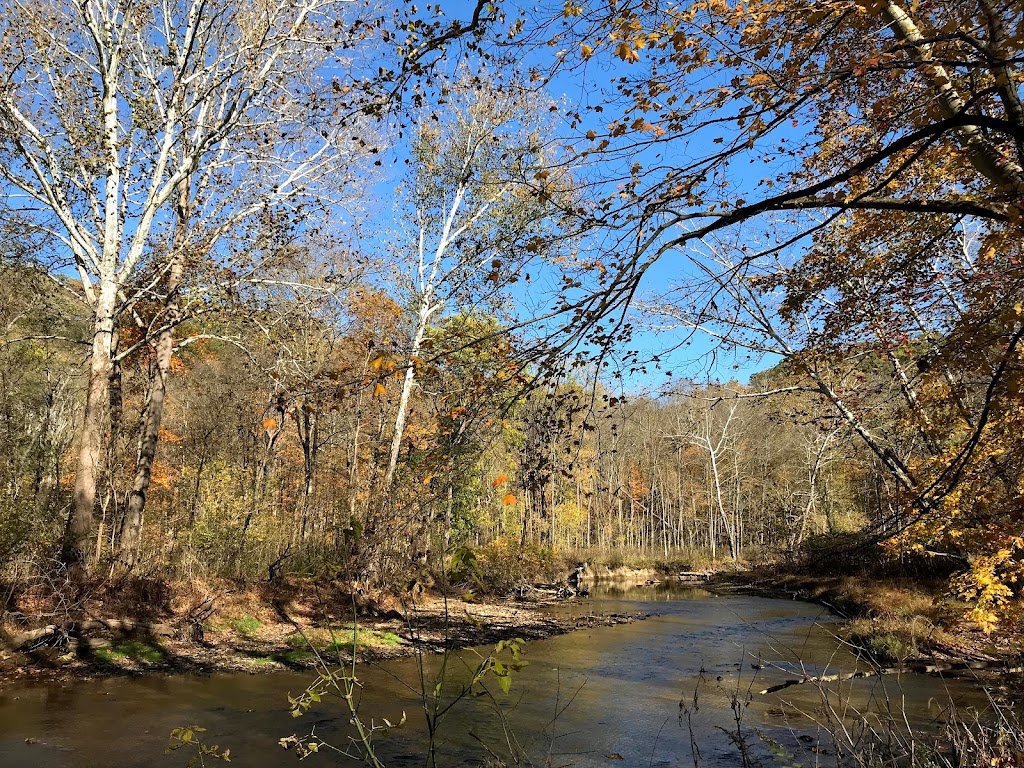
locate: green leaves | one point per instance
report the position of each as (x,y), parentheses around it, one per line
(189,738)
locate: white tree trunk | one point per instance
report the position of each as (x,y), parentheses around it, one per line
(408,382)
(77,532)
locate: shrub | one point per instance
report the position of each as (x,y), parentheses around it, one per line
(504,566)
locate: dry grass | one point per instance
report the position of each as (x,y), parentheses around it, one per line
(893,619)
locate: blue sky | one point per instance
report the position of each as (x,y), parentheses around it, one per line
(698,359)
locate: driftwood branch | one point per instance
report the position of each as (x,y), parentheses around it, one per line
(17,641)
(20,641)
(126,626)
(922,669)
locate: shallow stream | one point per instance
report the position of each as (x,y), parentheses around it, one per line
(608,696)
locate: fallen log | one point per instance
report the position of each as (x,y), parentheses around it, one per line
(21,640)
(922,669)
(126,626)
(90,643)
(15,642)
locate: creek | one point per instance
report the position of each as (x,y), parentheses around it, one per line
(602,696)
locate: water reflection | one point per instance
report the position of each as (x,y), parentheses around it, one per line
(585,699)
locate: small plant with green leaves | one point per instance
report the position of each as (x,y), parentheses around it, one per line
(342,684)
(502,671)
(189,738)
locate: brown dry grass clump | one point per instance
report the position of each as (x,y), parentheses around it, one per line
(894,619)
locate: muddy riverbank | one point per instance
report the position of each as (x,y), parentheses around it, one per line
(231,627)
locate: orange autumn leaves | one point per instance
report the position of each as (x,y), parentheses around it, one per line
(509,499)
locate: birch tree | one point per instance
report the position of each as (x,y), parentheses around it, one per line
(713,430)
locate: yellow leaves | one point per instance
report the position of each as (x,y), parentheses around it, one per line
(987,583)
(500,479)
(758,79)
(571,9)
(270,424)
(379,389)
(681,41)
(509,499)
(383,364)
(627,53)
(586,51)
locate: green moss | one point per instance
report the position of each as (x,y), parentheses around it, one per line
(296,641)
(334,639)
(263,661)
(134,650)
(365,638)
(389,639)
(295,657)
(244,625)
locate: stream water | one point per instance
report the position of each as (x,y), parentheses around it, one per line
(608,696)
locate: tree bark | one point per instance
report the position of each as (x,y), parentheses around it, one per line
(131,528)
(308,427)
(984,156)
(131,531)
(77,532)
(426,309)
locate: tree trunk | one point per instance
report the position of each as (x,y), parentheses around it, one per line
(308,427)
(131,527)
(726,523)
(77,532)
(409,380)
(131,531)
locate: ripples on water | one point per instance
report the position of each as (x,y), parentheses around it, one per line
(586,699)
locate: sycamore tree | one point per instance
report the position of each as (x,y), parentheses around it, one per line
(472,214)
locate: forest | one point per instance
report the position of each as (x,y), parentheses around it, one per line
(376,292)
